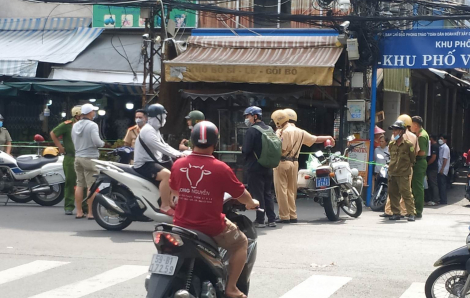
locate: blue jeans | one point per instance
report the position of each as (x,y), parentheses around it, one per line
(442,183)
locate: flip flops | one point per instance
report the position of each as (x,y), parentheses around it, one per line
(79,217)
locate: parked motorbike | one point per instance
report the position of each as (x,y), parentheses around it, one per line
(334,184)
(125,196)
(32,177)
(451,278)
(379,198)
(189,264)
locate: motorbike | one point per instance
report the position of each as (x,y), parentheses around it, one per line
(32,177)
(467,184)
(124,196)
(189,264)
(334,184)
(451,278)
(379,198)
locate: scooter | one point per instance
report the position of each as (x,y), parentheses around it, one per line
(32,177)
(452,277)
(189,264)
(379,198)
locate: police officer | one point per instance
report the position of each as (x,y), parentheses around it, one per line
(402,159)
(419,170)
(292,116)
(5,138)
(133,132)
(65,130)
(192,119)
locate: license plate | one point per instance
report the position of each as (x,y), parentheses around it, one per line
(163,264)
(323,181)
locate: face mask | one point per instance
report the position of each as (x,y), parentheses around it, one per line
(247,122)
(139,122)
(155,123)
(191,127)
(395,138)
(440,142)
(1,123)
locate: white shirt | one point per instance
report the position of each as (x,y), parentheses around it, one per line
(154,141)
(380,161)
(444,152)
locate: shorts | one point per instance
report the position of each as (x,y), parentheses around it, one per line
(150,170)
(85,169)
(231,238)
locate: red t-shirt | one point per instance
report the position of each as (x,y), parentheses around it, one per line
(201,181)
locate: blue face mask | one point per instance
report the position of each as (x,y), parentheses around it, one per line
(395,138)
(1,123)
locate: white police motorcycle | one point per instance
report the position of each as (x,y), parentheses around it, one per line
(32,177)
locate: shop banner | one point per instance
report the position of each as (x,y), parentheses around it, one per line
(359,158)
(430,48)
(105,16)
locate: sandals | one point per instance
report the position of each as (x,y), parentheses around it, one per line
(79,217)
(171,212)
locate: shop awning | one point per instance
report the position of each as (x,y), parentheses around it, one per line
(447,76)
(52,40)
(56,86)
(301,60)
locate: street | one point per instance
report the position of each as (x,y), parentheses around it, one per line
(46,254)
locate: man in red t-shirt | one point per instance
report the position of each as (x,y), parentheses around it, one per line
(200,182)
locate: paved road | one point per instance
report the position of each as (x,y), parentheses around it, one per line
(46,254)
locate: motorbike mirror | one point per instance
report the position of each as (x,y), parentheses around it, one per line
(38,138)
(318,154)
(351,138)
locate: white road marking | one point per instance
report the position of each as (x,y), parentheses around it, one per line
(317,286)
(96,283)
(416,290)
(27,270)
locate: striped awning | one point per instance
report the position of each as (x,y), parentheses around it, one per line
(24,68)
(301,60)
(53,40)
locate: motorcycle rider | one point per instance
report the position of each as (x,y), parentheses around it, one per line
(192,119)
(156,163)
(200,182)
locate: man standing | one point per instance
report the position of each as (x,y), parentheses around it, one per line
(64,130)
(86,139)
(432,173)
(133,132)
(419,169)
(260,178)
(443,168)
(192,119)
(402,158)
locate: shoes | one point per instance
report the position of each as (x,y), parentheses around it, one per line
(395,217)
(419,216)
(431,203)
(442,203)
(294,220)
(68,212)
(385,215)
(259,225)
(272,224)
(286,221)
(411,218)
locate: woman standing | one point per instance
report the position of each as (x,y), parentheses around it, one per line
(5,139)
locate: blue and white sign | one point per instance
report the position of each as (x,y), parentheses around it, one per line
(431,48)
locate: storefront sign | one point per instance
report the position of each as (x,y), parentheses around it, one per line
(322,76)
(431,48)
(359,158)
(105,16)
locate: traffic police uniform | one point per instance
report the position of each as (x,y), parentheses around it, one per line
(4,138)
(402,159)
(419,172)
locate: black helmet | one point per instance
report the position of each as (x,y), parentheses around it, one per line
(156,110)
(398,125)
(204,134)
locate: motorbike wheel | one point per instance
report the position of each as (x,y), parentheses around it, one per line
(331,205)
(20,198)
(54,198)
(108,219)
(379,199)
(354,209)
(446,281)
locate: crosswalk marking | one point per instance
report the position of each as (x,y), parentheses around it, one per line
(416,290)
(25,270)
(95,283)
(317,286)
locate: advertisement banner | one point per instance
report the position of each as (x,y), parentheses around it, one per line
(431,48)
(359,158)
(109,17)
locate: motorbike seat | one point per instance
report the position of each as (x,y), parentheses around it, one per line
(130,170)
(28,163)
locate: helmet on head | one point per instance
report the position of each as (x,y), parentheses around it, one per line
(406,119)
(279,117)
(195,117)
(76,111)
(204,134)
(253,110)
(398,125)
(50,152)
(156,110)
(291,114)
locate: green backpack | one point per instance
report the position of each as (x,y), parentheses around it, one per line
(271,148)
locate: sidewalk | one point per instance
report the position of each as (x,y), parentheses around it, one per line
(457,204)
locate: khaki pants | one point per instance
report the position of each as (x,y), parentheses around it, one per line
(388,208)
(285,185)
(398,187)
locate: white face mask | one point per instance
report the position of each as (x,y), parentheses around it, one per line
(440,142)
(140,122)
(155,123)
(247,122)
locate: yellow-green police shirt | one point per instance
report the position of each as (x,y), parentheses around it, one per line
(4,138)
(402,158)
